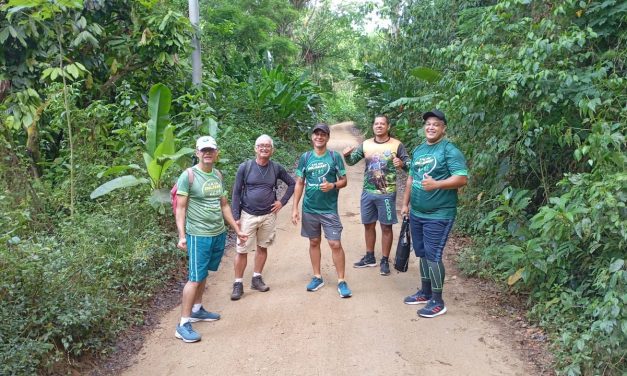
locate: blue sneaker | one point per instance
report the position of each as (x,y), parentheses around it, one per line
(418,298)
(186,333)
(203,315)
(432,309)
(343,289)
(315,284)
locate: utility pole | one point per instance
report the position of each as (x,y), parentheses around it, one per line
(194,18)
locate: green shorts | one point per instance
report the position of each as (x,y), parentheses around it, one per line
(204,253)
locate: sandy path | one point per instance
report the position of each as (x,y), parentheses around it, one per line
(289,331)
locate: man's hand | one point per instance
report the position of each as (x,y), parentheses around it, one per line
(276,206)
(428,183)
(242,237)
(398,163)
(295,216)
(347,150)
(325,186)
(404,210)
(182,244)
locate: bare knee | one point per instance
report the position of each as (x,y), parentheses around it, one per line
(335,245)
(315,242)
(386,229)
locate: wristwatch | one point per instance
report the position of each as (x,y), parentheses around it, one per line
(334,186)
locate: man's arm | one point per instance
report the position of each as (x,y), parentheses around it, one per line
(353,154)
(298,193)
(402,159)
(291,185)
(228,217)
(237,192)
(452,182)
(181,212)
(406,196)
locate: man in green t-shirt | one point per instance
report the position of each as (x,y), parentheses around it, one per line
(201,210)
(320,174)
(437,170)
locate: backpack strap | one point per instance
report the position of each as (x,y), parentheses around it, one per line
(190,177)
(247,166)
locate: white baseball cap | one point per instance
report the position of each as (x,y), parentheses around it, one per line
(206,142)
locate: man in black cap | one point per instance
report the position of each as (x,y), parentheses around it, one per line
(437,170)
(320,175)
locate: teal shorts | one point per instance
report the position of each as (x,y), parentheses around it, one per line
(204,253)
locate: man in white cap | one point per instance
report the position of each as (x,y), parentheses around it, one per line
(202,208)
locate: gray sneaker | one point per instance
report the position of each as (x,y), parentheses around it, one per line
(385,267)
(238,291)
(366,261)
(257,284)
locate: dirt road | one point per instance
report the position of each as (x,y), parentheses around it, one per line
(289,331)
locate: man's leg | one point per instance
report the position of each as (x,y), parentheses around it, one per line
(435,236)
(190,293)
(260,259)
(338,258)
(241,260)
(387,238)
(315,256)
(370,234)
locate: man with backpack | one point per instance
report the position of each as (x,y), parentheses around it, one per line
(384,156)
(201,209)
(320,175)
(255,207)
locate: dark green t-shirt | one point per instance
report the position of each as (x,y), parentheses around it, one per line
(204,212)
(314,169)
(440,161)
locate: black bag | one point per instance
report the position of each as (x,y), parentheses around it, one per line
(403,247)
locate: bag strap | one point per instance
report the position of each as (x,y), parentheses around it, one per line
(190,177)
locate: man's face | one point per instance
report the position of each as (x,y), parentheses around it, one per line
(380,127)
(207,155)
(319,138)
(434,129)
(264,149)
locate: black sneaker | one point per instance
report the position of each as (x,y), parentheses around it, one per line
(432,309)
(367,260)
(385,267)
(257,284)
(238,291)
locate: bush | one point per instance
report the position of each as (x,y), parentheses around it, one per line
(71,292)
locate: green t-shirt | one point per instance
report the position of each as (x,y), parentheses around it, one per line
(380,173)
(204,212)
(440,161)
(314,169)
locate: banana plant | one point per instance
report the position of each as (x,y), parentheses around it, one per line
(160,152)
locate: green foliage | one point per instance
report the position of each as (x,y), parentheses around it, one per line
(159,155)
(72,292)
(534,94)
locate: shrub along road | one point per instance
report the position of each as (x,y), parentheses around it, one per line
(289,331)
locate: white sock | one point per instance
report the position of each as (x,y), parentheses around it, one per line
(184,320)
(239,280)
(196,307)
(255,274)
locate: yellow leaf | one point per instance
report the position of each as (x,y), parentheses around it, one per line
(512,279)
(579,13)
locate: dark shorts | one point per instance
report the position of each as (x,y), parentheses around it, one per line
(204,253)
(378,207)
(330,223)
(429,236)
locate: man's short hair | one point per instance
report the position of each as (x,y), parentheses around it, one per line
(262,138)
(387,119)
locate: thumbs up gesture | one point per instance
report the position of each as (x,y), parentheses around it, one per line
(325,186)
(428,183)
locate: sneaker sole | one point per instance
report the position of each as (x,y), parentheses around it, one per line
(197,320)
(344,296)
(177,335)
(364,266)
(433,314)
(317,287)
(236,297)
(416,303)
(382,273)
(266,290)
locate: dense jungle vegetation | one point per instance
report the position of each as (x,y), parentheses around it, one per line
(98,114)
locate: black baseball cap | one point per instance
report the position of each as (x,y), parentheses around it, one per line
(434,113)
(323,127)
